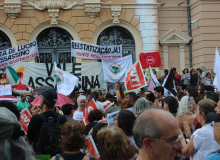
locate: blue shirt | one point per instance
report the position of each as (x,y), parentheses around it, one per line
(213,156)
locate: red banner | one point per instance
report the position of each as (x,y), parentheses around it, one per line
(135,78)
(91,147)
(91,106)
(25,118)
(152,59)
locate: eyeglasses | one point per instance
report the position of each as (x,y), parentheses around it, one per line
(213,124)
(176,142)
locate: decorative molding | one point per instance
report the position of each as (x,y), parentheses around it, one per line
(12,8)
(116,12)
(53,13)
(92,7)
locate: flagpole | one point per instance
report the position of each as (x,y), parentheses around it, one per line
(121,77)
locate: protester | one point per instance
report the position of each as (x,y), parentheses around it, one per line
(192,92)
(176,77)
(97,102)
(211,95)
(158,93)
(208,80)
(171,104)
(110,88)
(180,94)
(208,88)
(68,111)
(12,145)
(215,118)
(23,103)
(140,105)
(110,97)
(201,75)
(12,107)
(89,98)
(193,78)
(200,90)
(3,80)
(93,117)
(202,140)
(157,135)
(165,75)
(112,109)
(185,79)
(113,144)
(38,129)
(149,96)
(125,120)
(156,75)
(73,139)
(101,97)
(161,103)
(81,101)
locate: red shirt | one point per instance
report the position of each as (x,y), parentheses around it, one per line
(177,76)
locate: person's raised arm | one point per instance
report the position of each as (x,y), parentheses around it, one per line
(119,93)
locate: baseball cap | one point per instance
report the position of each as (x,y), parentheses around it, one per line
(50,95)
(213,116)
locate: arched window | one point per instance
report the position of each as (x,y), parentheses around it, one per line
(54,45)
(4,41)
(118,35)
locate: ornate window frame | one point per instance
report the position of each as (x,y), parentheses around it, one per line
(10,35)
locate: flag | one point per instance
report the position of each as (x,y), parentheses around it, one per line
(217,61)
(135,78)
(152,59)
(170,85)
(151,86)
(66,82)
(154,78)
(115,69)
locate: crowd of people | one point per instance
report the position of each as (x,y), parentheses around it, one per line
(157,128)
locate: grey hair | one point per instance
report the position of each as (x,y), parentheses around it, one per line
(146,126)
(113,109)
(140,105)
(185,106)
(9,148)
(81,97)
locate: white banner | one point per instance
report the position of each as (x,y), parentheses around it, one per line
(5,90)
(91,51)
(18,54)
(25,74)
(114,69)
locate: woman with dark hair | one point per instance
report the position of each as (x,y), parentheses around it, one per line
(93,117)
(208,80)
(171,104)
(185,79)
(110,87)
(201,76)
(192,92)
(193,78)
(113,144)
(73,139)
(200,90)
(125,120)
(149,96)
(211,95)
(155,73)
(3,79)
(180,95)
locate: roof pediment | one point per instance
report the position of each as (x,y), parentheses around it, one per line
(174,36)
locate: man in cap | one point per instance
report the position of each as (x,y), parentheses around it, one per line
(215,118)
(157,135)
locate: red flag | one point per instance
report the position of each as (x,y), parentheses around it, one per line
(25,118)
(91,106)
(91,147)
(135,78)
(152,59)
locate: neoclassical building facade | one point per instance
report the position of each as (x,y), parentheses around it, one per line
(184,32)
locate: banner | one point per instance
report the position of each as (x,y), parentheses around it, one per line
(135,78)
(5,90)
(92,51)
(36,75)
(114,69)
(17,54)
(25,118)
(91,106)
(66,82)
(91,147)
(152,59)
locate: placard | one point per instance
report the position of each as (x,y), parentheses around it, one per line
(91,147)
(91,106)
(5,90)
(25,118)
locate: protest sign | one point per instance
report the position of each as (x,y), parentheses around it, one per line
(112,91)
(36,75)
(91,147)
(187,75)
(135,78)
(114,70)
(17,54)
(92,51)
(152,59)
(25,118)
(5,90)
(91,106)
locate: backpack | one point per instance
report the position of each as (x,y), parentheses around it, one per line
(50,136)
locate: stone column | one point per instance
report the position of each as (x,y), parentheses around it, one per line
(182,56)
(165,56)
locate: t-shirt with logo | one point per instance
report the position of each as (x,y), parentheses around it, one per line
(78,116)
(23,105)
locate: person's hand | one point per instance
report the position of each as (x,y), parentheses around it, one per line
(187,129)
(117,85)
(156,102)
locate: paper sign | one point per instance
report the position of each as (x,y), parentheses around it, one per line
(91,147)
(5,90)
(25,118)
(187,75)
(91,106)
(135,78)
(112,91)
